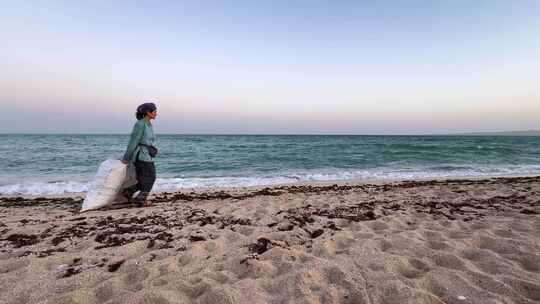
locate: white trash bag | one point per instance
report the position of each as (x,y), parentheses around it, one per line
(130,180)
(108,182)
(131,177)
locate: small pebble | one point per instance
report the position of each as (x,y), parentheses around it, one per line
(462,298)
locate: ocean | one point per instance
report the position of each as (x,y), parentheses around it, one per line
(58,164)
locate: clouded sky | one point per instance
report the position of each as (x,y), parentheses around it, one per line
(355,67)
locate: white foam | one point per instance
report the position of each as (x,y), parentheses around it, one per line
(41,188)
(171,184)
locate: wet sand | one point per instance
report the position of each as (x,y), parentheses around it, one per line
(447,241)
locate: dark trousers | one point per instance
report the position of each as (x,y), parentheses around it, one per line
(146,176)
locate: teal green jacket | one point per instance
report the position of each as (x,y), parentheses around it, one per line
(143,133)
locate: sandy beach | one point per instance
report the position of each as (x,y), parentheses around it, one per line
(446,241)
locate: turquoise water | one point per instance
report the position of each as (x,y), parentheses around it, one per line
(56,164)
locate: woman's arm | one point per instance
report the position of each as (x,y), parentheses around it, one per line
(134,140)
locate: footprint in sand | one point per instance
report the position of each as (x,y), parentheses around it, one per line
(489,283)
(219,294)
(447,286)
(480,225)
(133,279)
(396,292)
(437,245)
(343,242)
(160,282)
(363,236)
(457,234)
(141,298)
(493,266)
(432,235)
(506,233)
(104,293)
(475,254)
(520,226)
(385,245)
(410,268)
(219,276)
(529,262)
(434,226)
(448,261)
(193,291)
(378,226)
(21,298)
(334,275)
(527,289)
(496,245)
(6,267)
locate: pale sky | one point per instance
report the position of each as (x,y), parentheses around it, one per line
(294,67)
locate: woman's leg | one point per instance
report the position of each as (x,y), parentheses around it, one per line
(146,176)
(128,192)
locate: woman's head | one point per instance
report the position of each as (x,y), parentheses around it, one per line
(146,109)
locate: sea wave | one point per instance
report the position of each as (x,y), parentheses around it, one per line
(42,188)
(180,183)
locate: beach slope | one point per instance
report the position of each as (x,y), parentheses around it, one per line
(452,241)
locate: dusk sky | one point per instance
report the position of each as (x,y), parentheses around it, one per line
(328,67)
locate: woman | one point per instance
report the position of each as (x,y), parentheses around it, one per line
(139,152)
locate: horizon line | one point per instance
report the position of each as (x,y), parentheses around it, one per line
(469,133)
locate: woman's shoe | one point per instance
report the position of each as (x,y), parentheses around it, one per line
(128,195)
